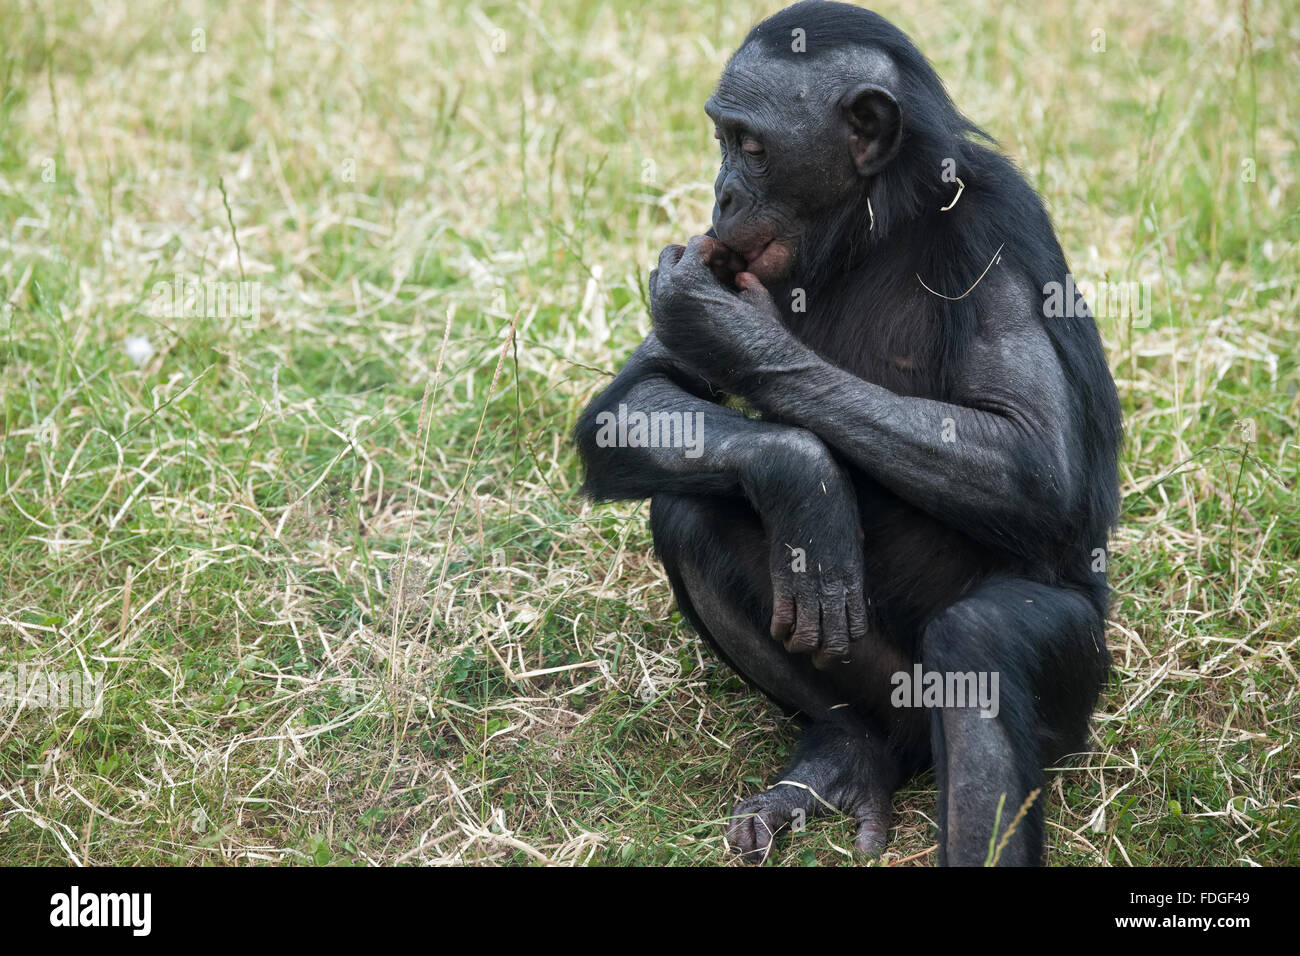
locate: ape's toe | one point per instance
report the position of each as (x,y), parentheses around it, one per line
(755,822)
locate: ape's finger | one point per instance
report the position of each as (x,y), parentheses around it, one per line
(752,290)
(856,609)
(724,263)
(700,249)
(671,255)
(782,614)
(720,271)
(807,627)
(835,632)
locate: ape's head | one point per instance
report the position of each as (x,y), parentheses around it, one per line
(824,107)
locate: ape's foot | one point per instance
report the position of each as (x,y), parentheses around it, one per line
(757,820)
(832,770)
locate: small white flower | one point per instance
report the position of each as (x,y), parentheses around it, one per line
(138,349)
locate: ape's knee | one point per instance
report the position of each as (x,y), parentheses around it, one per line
(678,525)
(967,636)
(712,533)
(1041,652)
(717,545)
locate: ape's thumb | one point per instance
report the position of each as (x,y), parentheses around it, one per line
(752,290)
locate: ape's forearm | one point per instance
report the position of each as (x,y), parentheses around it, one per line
(1002,475)
(647,434)
(652,436)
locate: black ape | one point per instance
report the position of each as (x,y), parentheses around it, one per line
(929,483)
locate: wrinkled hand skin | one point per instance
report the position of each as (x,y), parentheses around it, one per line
(818,609)
(726,334)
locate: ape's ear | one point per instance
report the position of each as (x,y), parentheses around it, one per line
(875,127)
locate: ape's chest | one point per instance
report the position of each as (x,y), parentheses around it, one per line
(907,355)
(902,367)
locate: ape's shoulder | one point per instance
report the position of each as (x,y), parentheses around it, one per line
(1005,206)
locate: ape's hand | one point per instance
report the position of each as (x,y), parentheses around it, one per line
(811,522)
(718,319)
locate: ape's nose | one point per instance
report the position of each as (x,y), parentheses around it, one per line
(725,196)
(718,226)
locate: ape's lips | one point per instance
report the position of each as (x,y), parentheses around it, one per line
(757,252)
(769,260)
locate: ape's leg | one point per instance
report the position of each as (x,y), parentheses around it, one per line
(716,556)
(1047,647)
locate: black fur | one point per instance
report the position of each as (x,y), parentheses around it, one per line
(979,555)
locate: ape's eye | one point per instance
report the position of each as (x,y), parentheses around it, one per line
(752,146)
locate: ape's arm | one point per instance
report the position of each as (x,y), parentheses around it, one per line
(802,494)
(1001,463)
(725,451)
(1003,466)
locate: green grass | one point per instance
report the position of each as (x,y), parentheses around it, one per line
(331,562)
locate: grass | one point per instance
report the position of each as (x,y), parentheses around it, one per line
(329,560)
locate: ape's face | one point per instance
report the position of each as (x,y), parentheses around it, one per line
(797,146)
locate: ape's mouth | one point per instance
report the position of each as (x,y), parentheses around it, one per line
(769,261)
(757,252)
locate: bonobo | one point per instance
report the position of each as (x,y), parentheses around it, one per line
(903,541)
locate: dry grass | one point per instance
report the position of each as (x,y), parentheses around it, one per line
(330,561)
